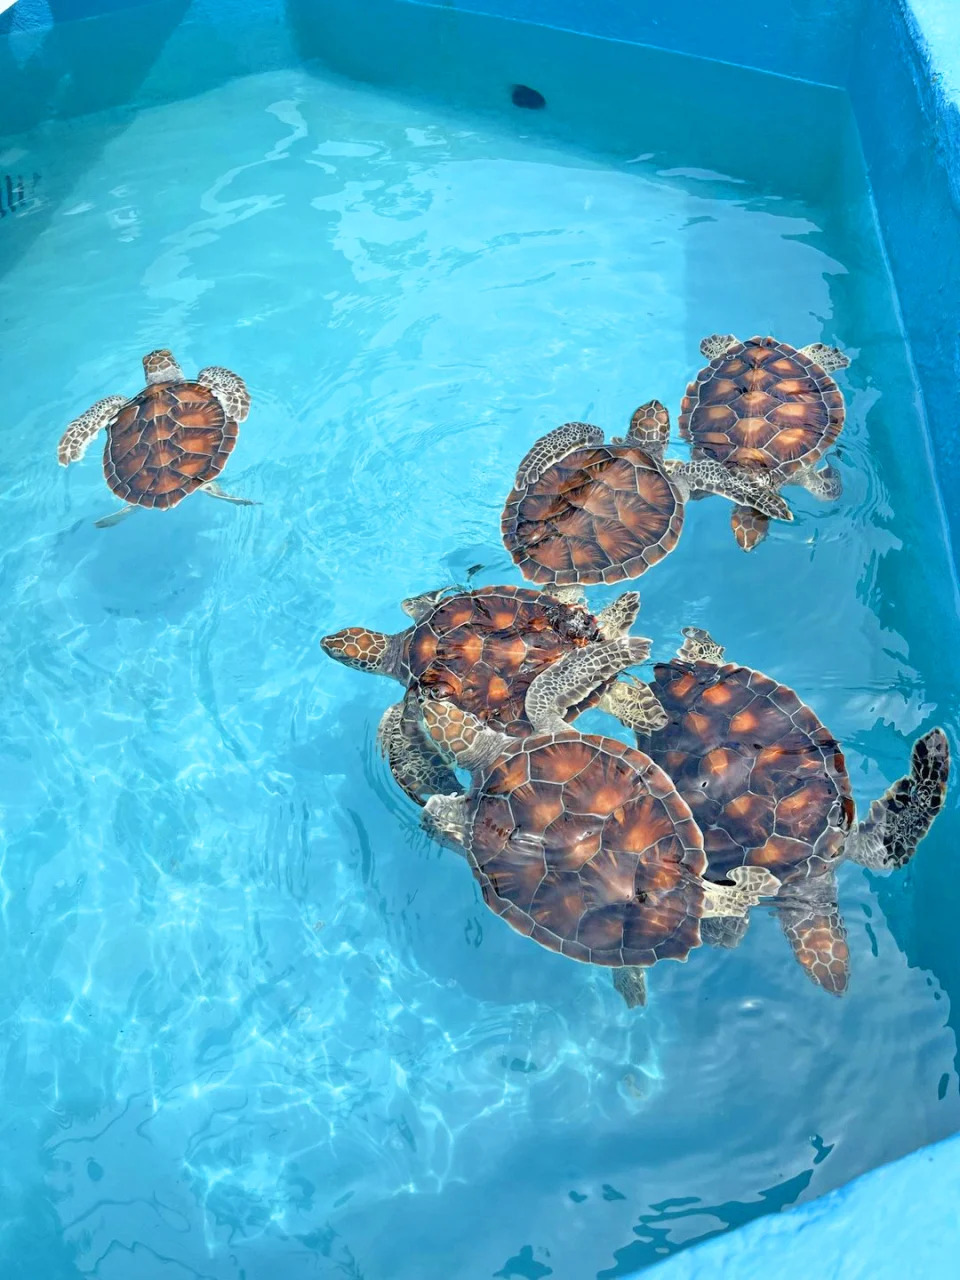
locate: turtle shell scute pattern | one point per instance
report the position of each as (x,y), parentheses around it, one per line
(766,782)
(483,649)
(602,514)
(584,845)
(167,442)
(762,405)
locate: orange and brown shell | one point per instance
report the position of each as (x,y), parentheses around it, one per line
(602,514)
(762,405)
(483,649)
(585,846)
(765,781)
(168,441)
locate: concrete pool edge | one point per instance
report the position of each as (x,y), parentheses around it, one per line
(895,1221)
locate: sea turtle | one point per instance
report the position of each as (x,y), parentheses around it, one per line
(484,649)
(583,511)
(173,437)
(770,410)
(578,841)
(768,786)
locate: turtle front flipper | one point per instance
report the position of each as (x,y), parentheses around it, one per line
(810,917)
(749,527)
(465,739)
(81,431)
(549,449)
(723,932)
(230,390)
(717,345)
(416,765)
(828,358)
(631,981)
(888,837)
(578,675)
(706,475)
(824,483)
(750,886)
(617,618)
(417,607)
(635,705)
(445,819)
(700,646)
(572,594)
(213,490)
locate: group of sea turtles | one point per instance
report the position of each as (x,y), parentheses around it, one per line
(734,792)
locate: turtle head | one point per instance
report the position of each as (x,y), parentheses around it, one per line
(700,646)
(160,366)
(360,648)
(650,427)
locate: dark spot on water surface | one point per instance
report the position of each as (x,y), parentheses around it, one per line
(524,96)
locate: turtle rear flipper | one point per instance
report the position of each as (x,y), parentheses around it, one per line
(576,676)
(631,981)
(810,917)
(888,837)
(213,490)
(824,483)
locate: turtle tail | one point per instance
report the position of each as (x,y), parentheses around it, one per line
(888,837)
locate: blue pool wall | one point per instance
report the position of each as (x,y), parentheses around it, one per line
(899,60)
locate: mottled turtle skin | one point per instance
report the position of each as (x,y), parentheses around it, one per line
(481,649)
(167,442)
(585,846)
(767,785)
(603,513)
(764,406)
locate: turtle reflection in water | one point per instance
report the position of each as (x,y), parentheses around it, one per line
(768,786)
(579,842)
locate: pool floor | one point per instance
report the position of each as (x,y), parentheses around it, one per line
(255,1022)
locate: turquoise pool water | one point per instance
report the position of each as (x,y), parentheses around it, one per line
(252,1020)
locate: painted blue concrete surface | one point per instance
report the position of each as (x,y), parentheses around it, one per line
(796,37)
(896,1223)
(900,62)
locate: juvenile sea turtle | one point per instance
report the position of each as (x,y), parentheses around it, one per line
(173,437)
(583,511)
(484,649)
(768,409)
(768,786)
(580,842)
